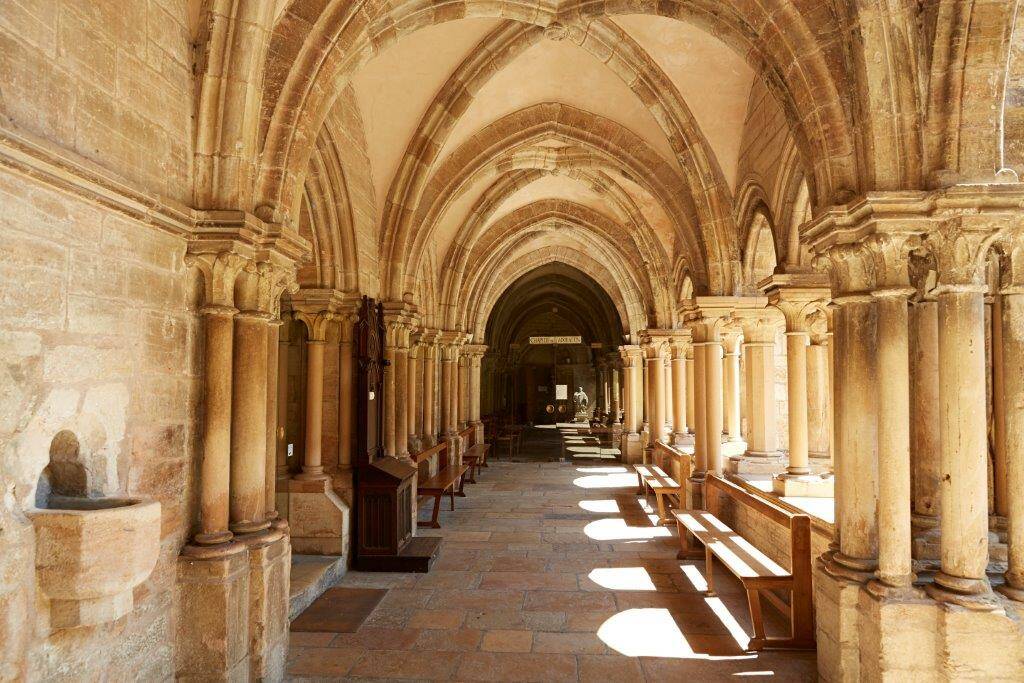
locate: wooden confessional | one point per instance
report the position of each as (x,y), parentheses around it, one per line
(384,493)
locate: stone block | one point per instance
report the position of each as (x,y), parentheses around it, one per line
(317,517)
(269,571)
(632,448)
(212,638)
(807,486)
(754,464)
(980,646)
(889,630)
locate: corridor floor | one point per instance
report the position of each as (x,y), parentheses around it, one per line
(550,572)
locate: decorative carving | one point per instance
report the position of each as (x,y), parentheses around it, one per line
(960,248)
(220,270)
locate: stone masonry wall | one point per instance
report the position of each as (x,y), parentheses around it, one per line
(99,337)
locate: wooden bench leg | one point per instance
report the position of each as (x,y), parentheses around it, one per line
(433,523)
(709,564)
(687,551)
(661,507)
(639,484)
(453,498)
(460,493)
(754,601)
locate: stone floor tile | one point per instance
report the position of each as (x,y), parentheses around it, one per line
(324,661)
(374,638)
(309,639)
(568,643)
(450,640)
(404,664)
(609,669)
(503,640)
(437,618)
(495,666)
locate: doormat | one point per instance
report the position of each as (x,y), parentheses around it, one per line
(339,610)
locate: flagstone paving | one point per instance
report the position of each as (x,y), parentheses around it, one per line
(550,572)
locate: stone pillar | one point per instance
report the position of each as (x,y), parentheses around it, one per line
(732,386)
(655,392)
(713,392)
(925,442)
(691,390)
(800,297)
(474,354)
(463,389)
(647,405)
(346,382)
(679,348)
(616,393)
(818,399)
(316,324)
(281,441)
(631,447)
(762,455)
(1012,338)
(667,393)
(895,575)
(272,424)
(411,393)
(247,500)
(398,324)
(962,418)
(430,351)
(700,436)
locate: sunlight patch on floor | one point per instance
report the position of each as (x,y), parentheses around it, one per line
(650,632)
(622,578)
(615,529)
(601,470)
(606,481)
(600,506)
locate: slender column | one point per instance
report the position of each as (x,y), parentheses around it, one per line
(691,391)
(668,395)
(346,393)
(273,372)
(248,424)
(732,386)
(856,405)
(389,399)
(401,404)
(679,397)
(964,521)
(281,441)
(818,397)
(656,393)
(700,452)
(463,390)
(411,391)
(615,394)
(924,413)
(648,406)
(397,330)
(446,388)
(215,467)
(713,389)
(430,429)
(312,466)
(894,536)
(1012,338)
(796,383)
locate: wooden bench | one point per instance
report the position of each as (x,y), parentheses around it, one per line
(475,457)
(759,574)
(652,479)
(437,485)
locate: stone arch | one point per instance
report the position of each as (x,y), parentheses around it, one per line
(604,144)
(760,257)
(795,64)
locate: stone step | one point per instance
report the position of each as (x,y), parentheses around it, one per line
(311,576)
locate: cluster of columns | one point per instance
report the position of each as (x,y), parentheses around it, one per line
(241,319)
(918,323)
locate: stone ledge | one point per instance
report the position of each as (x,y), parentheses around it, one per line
(311,576)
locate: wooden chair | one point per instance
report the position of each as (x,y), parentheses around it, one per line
(759,574)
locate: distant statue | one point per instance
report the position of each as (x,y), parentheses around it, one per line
(581,403)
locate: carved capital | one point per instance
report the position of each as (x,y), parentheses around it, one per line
(220,269)
(632,356)
(317,323)
(960,247)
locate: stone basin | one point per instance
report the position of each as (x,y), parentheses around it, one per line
(90,555)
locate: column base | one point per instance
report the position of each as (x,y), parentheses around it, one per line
(269,575)
(318,518)
(311,474)
(753,462)
(972,594)
(632,448)
(682,439)
(854,569)
(695,492)
(803,485)
(820,463)
(212,629)
(1011,592)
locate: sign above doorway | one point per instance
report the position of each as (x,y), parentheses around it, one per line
(556,340)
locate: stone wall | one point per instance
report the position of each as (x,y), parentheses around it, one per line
(99,338)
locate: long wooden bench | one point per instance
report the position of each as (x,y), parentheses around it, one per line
(759,574)
(438,484)
(652,479)
(475,457)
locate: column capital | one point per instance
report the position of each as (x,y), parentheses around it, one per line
(220,269)
(632,355)
(799,296)
(317,323)
(654,342)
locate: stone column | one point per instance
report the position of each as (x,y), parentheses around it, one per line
(463,389)
(397,330)
(412,392)
(316,324)
(668,395)
(713,392)
(925,441)
(1012,338)
(272,424)
(474,354)
(732,386)
(616,393)
(679,348)
(647,406)
(800,297)
(346,382)
(631,442)
(655,394)
(691,391)
(215,466)
(430,351)
(700,437)
(962,418)
(762,455)
(248,423)
(818,398)
(281,447)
